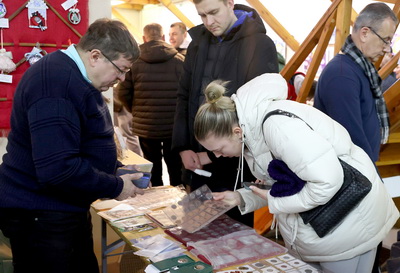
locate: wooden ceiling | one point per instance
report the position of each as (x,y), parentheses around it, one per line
(338,17)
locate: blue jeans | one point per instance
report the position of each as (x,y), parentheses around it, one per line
(49,241)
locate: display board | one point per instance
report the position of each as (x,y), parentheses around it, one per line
(29,30)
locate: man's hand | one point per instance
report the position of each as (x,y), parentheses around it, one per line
(204,159)
(230,196)
(129,190)
(190,160)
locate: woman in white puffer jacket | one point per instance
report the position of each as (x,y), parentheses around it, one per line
(233,127)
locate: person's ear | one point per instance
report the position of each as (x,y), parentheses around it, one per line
(364,32)
(237,131)
(94,56)
(230,3)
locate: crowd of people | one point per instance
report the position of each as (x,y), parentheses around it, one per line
(203,105)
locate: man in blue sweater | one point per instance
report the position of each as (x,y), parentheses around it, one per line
(61,155)
(349,89)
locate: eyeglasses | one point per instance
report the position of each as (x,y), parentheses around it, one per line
(380,37)
(120,71)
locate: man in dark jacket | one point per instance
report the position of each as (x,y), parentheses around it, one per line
(232,46)
(149,93)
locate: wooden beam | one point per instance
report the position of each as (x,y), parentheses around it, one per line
(138,34)
(354,15)
(143,2)
(317,57)
(129,6)
(342,24)
(274,24)
(171,6)
(392,99)
(309,43)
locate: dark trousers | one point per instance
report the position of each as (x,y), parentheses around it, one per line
(154,150)
(50,242)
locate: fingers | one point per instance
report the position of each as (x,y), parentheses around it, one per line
(218,195)
(260,181)
(138,191)
(131,176)
(190,160)
(132,167)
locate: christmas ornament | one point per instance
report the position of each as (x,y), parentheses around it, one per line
(35,55)
(74,16)
(3,9)
(37,14)
(6,64)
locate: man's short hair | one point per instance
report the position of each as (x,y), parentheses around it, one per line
(153,32)
(373,15)
(180,25)
(112,38)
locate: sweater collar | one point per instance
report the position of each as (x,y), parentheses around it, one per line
(74,55)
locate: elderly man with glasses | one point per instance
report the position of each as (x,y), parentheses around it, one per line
(61,155)
(350,88)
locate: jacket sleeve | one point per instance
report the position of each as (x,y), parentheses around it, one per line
(264,58)
(180,134)
(124,91)
(251,202)
(310,156)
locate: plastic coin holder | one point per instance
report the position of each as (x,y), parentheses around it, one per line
(197,210)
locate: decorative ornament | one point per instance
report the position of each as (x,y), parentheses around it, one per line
(3,9)
(35,54)
(6,64)
(37,14)
(74,16)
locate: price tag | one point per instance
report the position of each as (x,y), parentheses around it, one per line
(69,4)
(5,78)
(4,23)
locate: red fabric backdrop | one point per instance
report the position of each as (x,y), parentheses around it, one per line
(19,32)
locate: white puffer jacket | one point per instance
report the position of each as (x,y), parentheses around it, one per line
(312,155)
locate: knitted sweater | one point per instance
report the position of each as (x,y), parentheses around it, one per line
(344,94)
(61,154)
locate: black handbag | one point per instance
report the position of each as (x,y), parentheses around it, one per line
(325,218)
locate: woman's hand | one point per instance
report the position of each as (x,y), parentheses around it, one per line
(262,193)
(230,196)
(260,181)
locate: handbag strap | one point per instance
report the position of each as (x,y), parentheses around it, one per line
(283,113)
